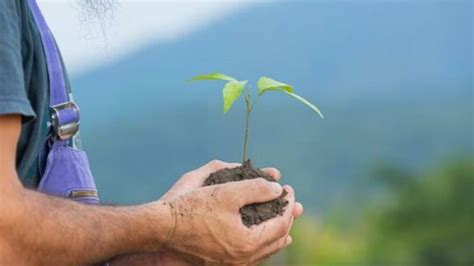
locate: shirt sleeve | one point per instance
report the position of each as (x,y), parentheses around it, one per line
(13,96)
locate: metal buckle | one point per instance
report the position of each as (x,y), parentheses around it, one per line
(65,120)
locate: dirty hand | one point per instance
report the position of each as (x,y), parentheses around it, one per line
(208,223)
(195,179)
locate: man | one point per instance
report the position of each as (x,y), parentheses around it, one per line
(189,223)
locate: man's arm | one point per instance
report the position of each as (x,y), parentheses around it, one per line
(203,223)
(39,229)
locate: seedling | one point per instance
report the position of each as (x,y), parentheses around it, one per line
(234,88)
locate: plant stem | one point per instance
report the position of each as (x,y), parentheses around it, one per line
(247,123)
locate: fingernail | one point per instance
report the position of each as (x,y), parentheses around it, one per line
(276,187)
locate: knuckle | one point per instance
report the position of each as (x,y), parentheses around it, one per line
(235,256)
(223,196)
(217,193)
(275,171)
(215,163)
(245,249)
(188,175)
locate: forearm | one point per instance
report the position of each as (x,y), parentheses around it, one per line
(164,258)
(40,229)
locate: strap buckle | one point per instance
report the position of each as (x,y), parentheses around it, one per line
(65,119)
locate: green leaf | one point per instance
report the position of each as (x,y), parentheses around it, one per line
(231,92)
(214,76)
(304,101)
(265,84)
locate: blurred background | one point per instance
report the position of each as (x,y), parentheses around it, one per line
(386,179)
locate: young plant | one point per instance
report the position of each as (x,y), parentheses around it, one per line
(234,88)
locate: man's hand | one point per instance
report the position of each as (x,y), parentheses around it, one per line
(209,226)
(187,183)
(195,179)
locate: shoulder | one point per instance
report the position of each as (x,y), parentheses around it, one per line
(13,97)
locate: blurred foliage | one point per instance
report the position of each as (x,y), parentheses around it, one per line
(424,219)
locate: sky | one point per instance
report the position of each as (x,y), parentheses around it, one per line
(134,24)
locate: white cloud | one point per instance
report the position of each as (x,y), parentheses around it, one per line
(135,24)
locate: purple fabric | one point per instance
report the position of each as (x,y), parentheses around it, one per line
(58,91)
(65,170)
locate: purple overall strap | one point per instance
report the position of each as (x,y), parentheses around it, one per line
(58,90)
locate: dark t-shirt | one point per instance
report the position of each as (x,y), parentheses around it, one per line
(24,86)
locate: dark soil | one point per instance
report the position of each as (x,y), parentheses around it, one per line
(254,213)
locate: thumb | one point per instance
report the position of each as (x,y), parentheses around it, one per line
(196,178)
(252,191)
